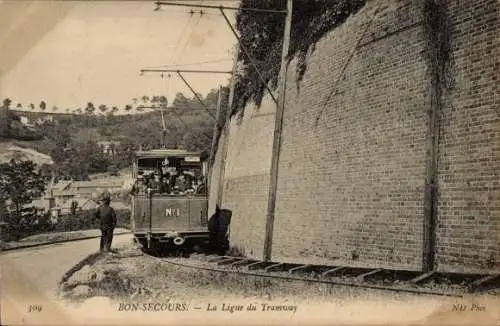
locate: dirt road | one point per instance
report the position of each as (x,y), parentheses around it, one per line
(30,277)
(178,296)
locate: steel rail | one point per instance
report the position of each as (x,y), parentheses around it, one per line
(307,279)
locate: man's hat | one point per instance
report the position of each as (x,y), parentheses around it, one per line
(105,197)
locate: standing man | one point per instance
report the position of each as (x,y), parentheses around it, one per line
(106,214)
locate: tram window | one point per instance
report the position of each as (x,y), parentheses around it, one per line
(179,177)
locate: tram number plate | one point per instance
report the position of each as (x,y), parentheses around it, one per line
(172,212)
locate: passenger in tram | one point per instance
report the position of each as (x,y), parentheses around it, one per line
(165,185)
(155,183)
(140,186)
(200,187)
(180,184)
(189,176)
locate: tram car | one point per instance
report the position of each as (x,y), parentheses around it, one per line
(170,200)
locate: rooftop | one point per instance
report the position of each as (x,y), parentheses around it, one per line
(61,185)
(97,184)
(154,153)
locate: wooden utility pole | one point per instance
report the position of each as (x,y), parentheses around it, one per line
(225,132)
(277,135)
(214,136)
(164,130)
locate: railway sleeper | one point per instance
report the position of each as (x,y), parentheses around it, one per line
(229,261)
(279,267)
(242,262)
(332,271)
(268,266)
(486,283)
(364,276)
(302,268)
(216,259)
(351,275)
(422,277)
(258,264)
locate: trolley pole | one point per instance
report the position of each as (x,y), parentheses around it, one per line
(277,135)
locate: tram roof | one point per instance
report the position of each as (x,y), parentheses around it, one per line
(156,153)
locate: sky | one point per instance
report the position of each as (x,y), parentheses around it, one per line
(68,53)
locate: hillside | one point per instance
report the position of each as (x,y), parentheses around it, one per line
(89,141)
(9,150)
(13,133)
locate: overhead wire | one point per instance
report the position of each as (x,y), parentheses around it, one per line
(173,55)
(178,52)
(188,41)
(191,33)
(188,38)
(190,63)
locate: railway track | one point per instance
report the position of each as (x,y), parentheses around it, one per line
(377,279)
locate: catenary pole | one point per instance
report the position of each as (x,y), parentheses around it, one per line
(277,135)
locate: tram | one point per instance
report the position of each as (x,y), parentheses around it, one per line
(170,199)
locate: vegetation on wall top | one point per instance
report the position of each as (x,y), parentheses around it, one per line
(262,36)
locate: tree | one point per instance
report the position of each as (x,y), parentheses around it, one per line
(5,118)
(32,107)
(163,101)
(262,36)
(6,103)
(103,108)
(128,107)
(19,106)
(20,182)
(55,108)
(90,108)
(42,105)
(179,100)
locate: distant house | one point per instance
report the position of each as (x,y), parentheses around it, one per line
(62,185)
(61,192)
(43,205)
(45,118)
(108,146)
(62,196)
(82,204)
(119,205)
(94,188)
(24,120)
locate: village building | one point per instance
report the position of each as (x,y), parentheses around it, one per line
(61,196)
(108,146)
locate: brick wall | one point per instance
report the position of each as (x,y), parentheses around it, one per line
(468,230)
(246,179)
(354,150)
(352,165)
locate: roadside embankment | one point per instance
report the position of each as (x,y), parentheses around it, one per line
(55,237)
(129,285)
